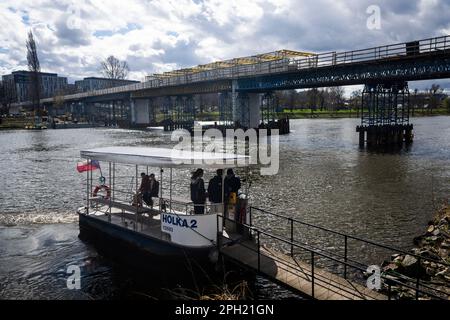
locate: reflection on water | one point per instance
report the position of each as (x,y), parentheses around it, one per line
(324,179)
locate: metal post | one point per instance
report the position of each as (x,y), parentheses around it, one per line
(218,233)
(259,251)
(170,191)
(345,257)
(160,188)
(87,192)
(114,182)
(223,197)
(312,274)
(90,180)
(137,207)
(110,199)
(292,236)
(417,281)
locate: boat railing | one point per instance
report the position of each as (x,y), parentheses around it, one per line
(164,204)
(187,207)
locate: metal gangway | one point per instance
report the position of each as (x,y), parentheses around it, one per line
(303,263)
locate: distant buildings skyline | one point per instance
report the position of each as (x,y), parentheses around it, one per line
(17,84)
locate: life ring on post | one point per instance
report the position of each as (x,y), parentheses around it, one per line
(102,187)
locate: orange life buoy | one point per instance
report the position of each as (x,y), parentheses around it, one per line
(102,187)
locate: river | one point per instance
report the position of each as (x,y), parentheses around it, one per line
(323,179)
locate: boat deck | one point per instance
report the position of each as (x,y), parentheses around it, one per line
(146,221)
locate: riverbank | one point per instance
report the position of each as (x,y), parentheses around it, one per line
(20,123)
(433,244)
(11,123)
(314,114)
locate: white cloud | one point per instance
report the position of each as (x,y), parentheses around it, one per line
(160,35)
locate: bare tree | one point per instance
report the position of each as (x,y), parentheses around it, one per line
(35,69)
(291,99)
(434,92)
(355,100)
(336,98)
(114,69)
(312,98)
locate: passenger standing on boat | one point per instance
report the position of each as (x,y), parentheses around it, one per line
(153,188)
(198,194)
(144,189)
(215,192)
(232,184)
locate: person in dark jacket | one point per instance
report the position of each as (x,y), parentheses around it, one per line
(232,183)
(215,192)
(153,188)
(198,193)
(144,189)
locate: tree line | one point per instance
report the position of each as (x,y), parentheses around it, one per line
(333,99)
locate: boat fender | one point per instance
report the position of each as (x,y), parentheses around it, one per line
(102,187)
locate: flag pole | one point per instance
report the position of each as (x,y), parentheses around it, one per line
(99,167)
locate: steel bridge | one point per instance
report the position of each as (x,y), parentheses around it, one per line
(384,70)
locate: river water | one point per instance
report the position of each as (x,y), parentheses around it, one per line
(323,179)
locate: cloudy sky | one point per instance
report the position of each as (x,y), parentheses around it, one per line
(154,36)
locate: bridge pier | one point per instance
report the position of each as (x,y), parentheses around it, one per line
(269,118)
(246,113)
(225,109)
(251,110)
(167,107)
(140,112)
(179,112)
(385,116)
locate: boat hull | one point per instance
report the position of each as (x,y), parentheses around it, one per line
(140,250)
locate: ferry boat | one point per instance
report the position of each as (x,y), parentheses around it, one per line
(117,223)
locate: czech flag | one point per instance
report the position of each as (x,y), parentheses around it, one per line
(88,165)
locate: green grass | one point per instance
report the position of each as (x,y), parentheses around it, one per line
(14,123)
(307,113)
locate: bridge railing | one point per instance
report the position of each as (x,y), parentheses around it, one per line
(399,50)
(340,252)
(412,49)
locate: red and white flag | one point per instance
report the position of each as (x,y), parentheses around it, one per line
(88,165)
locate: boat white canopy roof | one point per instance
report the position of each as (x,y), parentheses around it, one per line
(166,158)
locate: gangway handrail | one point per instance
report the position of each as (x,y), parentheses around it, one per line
(348,236)
(345,262)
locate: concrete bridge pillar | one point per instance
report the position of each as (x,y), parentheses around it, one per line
(152,111)
(140,111)
(247,113)
(254,110)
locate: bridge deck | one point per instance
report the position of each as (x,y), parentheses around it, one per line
(417,60)
(297,275)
